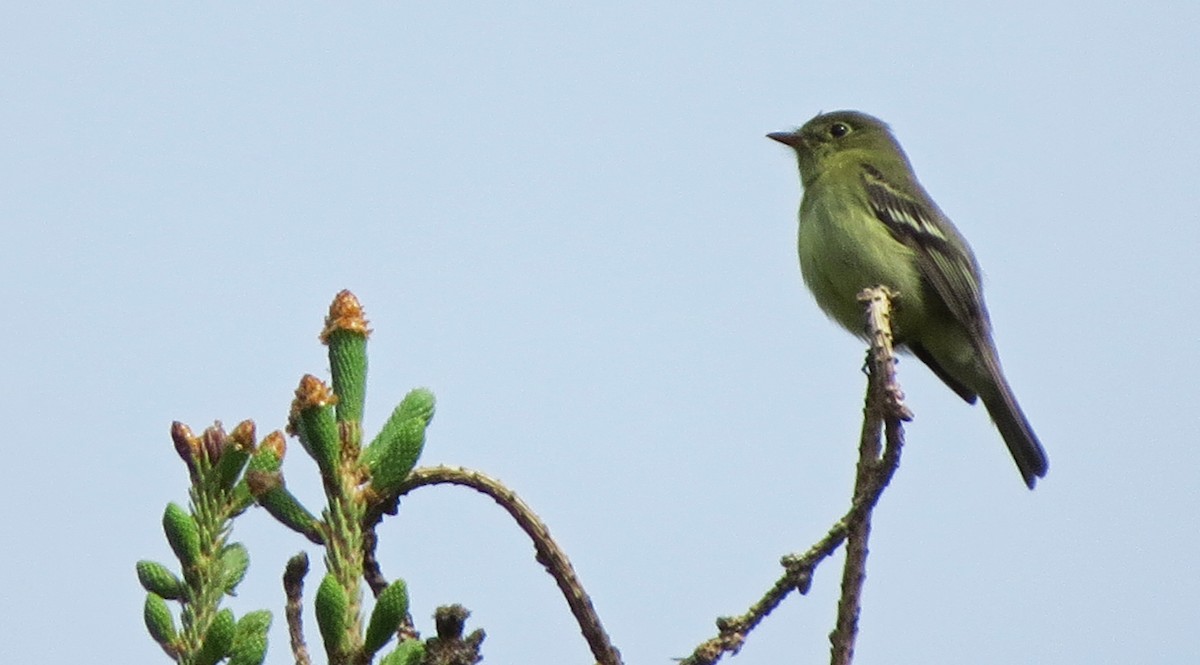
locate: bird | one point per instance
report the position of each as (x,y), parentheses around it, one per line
(865,221)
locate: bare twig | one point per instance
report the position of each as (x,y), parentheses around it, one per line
(797,576)
(450,647)
(549,554)
(293,588)
(884,402)
(858,531)
(371,571)
(882,356)
(375,579)
(884,407)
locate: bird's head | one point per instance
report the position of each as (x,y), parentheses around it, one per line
(829,137)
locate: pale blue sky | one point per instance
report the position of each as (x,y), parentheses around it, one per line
(568,224)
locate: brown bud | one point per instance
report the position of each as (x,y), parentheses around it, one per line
(312,392)
(186,445)
(242,437)
(261,482)
(214,441)
(345,313)
(276,443)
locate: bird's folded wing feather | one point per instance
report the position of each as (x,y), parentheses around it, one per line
(941,255)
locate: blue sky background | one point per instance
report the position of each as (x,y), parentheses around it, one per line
(567,223)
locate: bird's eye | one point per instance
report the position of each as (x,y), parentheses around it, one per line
(839,129)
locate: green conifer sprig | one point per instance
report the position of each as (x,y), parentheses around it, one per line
(211,565)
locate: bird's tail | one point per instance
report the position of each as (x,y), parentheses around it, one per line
(1014,427)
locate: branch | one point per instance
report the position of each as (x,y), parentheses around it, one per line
(371,571)
(293,588)
(450,647)
(549,554)
(884,402)
(373,574)
(884,406)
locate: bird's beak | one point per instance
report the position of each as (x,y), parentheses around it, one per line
(790,139)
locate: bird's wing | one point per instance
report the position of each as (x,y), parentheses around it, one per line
(942,255)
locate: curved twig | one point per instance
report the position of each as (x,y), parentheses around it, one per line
(549,554)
